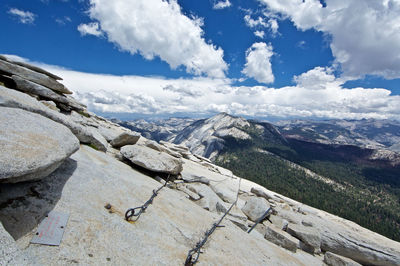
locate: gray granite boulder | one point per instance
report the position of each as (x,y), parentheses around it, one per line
(310,237)
(39,78)
(332,259)
(193,178)
(97,141)
(281,238)
(151,159)
(32,146)
(255,207)
(16,99)
(36,89)
(125,138)
(260,193)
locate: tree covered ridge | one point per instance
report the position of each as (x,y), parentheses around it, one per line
(368,192)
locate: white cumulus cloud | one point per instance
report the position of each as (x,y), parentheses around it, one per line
(25,17)
(92,28)
(159,28)
(316,79)
(221,4)
(316,93)
(259,34)
(262,22)
(365,35)
(258,63)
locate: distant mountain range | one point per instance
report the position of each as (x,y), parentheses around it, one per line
(205,137)
(347,167)
(369,133)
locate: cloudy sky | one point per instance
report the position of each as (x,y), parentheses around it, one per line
(271,59)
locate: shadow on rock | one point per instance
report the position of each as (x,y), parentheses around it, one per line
(24,205)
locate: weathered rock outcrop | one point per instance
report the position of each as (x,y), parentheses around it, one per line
(96,188)
(31,146)
(281,238)
(163,235)
(310,237)
(126,138)
(151,159)
(36,89)
(39,78)
(16,99)
(332,259)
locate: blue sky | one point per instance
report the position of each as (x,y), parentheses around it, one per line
(261,58)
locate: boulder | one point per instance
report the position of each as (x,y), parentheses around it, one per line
(151,159)
(281,238)
(239,223)
(193,178)
(255,207)
(31,67)
(97,141)
(310,237)
(32,146)
(358,244)
(16,99)
(125,138)
(260,193)
(36,77)
(76,105)
(209,200)
(332,259)
(36,89)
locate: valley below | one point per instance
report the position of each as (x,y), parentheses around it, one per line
(348,168)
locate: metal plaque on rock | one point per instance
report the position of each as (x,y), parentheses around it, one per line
(51,230)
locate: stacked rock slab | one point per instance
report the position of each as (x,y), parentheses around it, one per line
(28,74)
(151,159)
(32,146)
(15,99)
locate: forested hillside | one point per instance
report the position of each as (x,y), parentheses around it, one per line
(362,190)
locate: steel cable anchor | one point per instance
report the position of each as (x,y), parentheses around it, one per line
(137,211)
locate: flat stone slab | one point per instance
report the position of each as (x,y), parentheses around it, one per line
(333,259)
(151,159)
(281,238)
(17,99)
(32,146)
(36,77)
(31,67)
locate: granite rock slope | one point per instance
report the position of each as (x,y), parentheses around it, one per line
(97,184)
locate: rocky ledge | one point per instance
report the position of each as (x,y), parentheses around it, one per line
(57,156)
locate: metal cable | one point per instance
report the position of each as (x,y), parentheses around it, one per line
(137,211)
(194,254)
(260,219)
